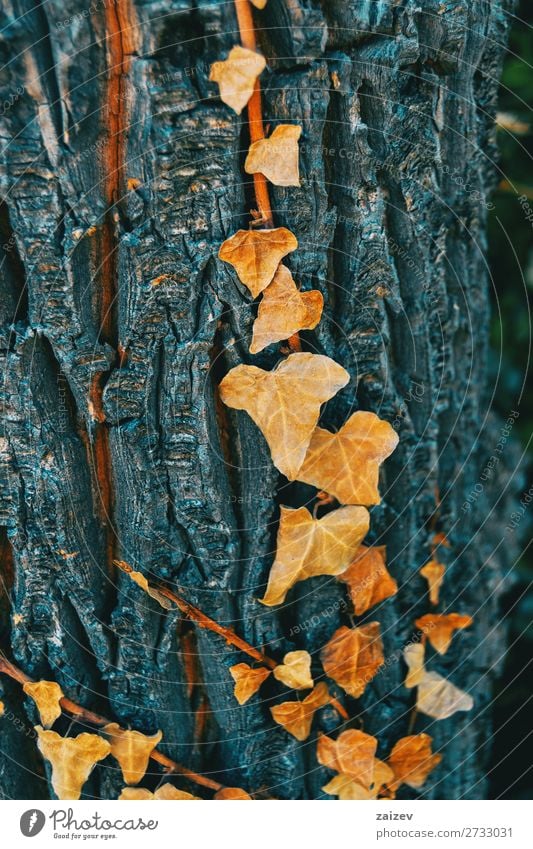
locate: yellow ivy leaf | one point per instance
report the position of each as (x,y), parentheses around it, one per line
(276,157)
(256,254)
(2,708)
(247,680)
(414,657)
(236,76)
(346,464)
(353,656)
(285,403)
(439,698)
(346,788)
(232,793)
(297,717)
(132,750)
(139,579)
(72,759)
(411,761)
(284,310)
(440,627)
(46,695)
(352,754)
(307,547)
(433,572)
(295,671)
(367,578)
(166,791)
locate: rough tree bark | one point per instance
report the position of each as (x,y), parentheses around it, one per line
(121,175)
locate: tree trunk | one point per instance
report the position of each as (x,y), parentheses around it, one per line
(122,173)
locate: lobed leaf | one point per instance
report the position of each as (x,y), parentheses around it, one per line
(367,578)
(277,156)
(72,759)
(284,310)
(256,254)
(285,403)
(353,656)
(236,76)
(307,547)
(346,464)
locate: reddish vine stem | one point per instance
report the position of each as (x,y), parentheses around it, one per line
(255,115)
(88,716)
(204,621)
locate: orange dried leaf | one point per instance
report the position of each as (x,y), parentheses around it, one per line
(72,759)
(259,4)
(346,788)
(132,750)
(368,580)
(256,254)
(346,464)
(352,754)
(295,671)
(284,310)
(139,579)
(297,717)
(433,572)
(439,698)
(412,760)
(414,657)
(46,695)
(440,627)
(166,791)
(277,156)
(247,680)
(307,547)
(236,76)
(232,793)
(285,403)
(353,656)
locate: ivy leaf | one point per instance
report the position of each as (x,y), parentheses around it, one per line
(232,793)
(139,579)
(247,680)
(347,789)
(307,547)
(132,750)
(367,578)
(414,658)
(276,157)
(353,656)
(433,572)
(352,754)
(346,464)
(297,717)
(72,759)
(256,254)
(46,695)
(440,627)
(284,310)
(285,403)
(259,4)
(236,76)
(295,671)
(439,698)
(166,791)
(412,760)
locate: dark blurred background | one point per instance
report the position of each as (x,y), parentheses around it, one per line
(511,262)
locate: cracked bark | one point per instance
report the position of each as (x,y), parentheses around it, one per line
(121,174)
